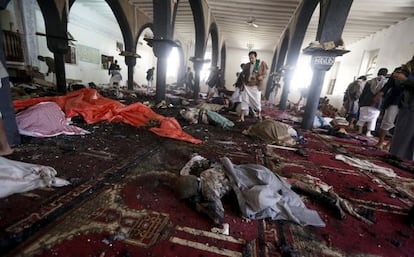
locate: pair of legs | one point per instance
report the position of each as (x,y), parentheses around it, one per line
(368,115)
(251,97)
(387,123)
(5,148)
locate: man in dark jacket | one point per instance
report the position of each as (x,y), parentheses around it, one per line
(150,78)
(369,109)
(391,95)
(351,99)
(402,145)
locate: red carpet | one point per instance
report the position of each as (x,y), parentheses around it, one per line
(383,199)
(141,217)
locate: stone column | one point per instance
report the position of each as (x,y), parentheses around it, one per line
(29,29)
(60,72)
(161,49)
(322,60)
(197,65)
(56,25)
(131,61)
(287,77)
(197,70)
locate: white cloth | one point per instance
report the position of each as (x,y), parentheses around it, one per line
(366,165)
(212,92)
(368,114)
(115,78)
(251,97)
(19,177)
(236,96)
(273,94)
(262,194)
(388,120)
(45,119)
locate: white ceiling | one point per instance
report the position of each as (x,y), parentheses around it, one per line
(272,16)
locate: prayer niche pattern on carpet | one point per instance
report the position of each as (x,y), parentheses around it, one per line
(105,213)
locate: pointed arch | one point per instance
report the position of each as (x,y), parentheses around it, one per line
(148,25)
(129,42)
(298,28)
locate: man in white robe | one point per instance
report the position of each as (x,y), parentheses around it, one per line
(254,73)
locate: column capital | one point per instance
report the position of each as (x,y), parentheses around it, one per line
(198,62)
(323,59)
(161,47)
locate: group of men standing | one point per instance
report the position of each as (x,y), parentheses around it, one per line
(364,101)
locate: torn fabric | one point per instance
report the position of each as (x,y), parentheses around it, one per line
(262,194)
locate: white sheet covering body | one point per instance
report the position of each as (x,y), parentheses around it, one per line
(262,194)
(20,177)
(45,119)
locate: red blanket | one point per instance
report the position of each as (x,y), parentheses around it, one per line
(95,108)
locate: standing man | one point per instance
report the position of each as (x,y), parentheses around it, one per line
(351,99)
(369,109)
(254,73)
(212,82)
(390,96)
(402,145)
(189,80)
(113,68)
(150,78)
(116,76)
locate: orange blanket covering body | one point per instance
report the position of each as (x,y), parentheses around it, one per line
(95,108)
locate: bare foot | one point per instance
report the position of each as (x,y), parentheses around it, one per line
(6,152)
(381,146)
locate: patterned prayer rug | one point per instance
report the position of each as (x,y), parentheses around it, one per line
(142,217)
(377,203)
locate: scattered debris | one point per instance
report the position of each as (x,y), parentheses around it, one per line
(98,154)
(299,151)
(225,230)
